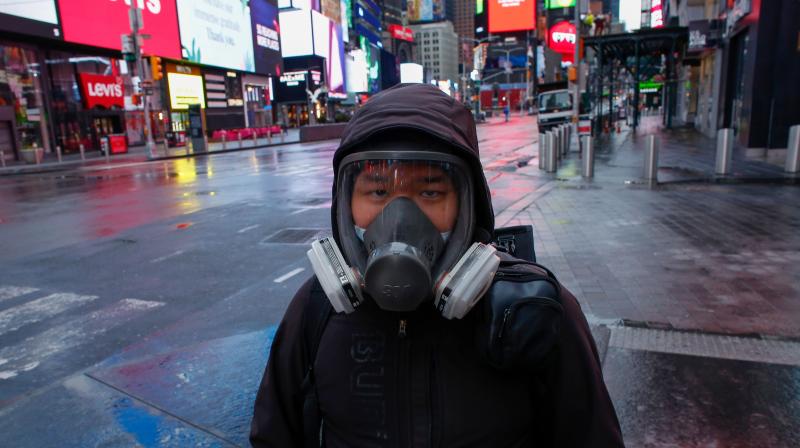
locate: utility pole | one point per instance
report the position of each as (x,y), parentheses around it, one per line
(135,16)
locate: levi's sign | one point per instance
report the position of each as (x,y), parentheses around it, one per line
(102,90)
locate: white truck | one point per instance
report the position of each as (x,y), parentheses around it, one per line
(555,105)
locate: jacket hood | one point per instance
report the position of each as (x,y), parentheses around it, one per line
(426,109)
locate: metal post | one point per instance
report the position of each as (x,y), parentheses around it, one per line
(568,145)
(651,159)
(588,157)
(724,151)
(255,139)
(636,88)
(564,139)
(793,150)
(108,151)
(239,134)
(135,17)
(83,152)
(3,158)
(58,153)
(551,153)
(557,142)
(542,144)
(224,140)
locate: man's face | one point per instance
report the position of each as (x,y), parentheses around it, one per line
(428,185)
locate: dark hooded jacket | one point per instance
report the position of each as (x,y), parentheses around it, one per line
(416,379)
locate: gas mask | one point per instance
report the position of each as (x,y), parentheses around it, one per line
(406,202)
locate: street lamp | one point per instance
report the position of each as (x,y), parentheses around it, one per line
(475,75)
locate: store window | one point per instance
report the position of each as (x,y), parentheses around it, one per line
(22,112)
(87,99)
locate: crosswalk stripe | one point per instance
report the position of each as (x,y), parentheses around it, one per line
(28,354)
(9,292)
(39,309)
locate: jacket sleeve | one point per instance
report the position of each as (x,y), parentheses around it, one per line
(278,410)
(582,412)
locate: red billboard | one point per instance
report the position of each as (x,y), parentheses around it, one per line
(401,32)
(102,90)
(562,40)
(511,15)
(100,23)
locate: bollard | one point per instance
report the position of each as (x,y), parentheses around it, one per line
(3,158)
(564,140)
(224,141)
(269,136)
(556,137)
(83,152)
(58,153)
(651,159)
(551,153)
(240,139)
(793,150)
(724,151)
(108,153)
(568,139)
(255,139)
(588,157)
(542,143)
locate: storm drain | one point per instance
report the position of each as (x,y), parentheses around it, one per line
(706,345)
(295,236)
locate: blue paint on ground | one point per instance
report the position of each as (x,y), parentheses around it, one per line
(141,424)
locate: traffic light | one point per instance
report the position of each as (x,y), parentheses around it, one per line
(155,68)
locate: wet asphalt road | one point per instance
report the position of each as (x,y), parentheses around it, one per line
(162,281)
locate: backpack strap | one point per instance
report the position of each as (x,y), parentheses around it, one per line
(315,318)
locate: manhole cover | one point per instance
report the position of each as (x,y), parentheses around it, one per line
(294,236)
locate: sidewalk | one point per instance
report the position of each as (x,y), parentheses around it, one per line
(138,154)
(696,252)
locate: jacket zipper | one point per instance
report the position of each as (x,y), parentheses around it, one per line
(403,373)
(538,301)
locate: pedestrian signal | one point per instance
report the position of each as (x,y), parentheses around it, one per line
(155,68)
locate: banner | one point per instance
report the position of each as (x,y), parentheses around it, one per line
(102,90)
(511,15)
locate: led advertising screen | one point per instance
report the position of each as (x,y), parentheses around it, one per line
(185,89)
(630,13)
(562,40)
(217,32)
(411,73)
(511,15)
(266,40)
(296,37)
(553,4)
(426,10)
(100,23)
(357,70)
(38,18)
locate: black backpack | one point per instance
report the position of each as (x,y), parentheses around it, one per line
(517,263)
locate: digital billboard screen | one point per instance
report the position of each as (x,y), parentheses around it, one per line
(562,40)
(217,33)
(426,10)
(266,39)
(511,15)
(100,24)
(37,18)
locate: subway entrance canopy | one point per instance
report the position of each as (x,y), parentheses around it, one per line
(640,54)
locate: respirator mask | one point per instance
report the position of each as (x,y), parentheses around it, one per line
(405,225)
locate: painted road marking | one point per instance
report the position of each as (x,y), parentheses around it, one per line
(39,309)
(289,275)
(9,292)
(31,352)
(248,228)
(167,257)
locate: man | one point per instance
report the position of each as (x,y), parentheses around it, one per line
(398,364)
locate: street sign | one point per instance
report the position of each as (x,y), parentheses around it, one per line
(145,84)
(127,43)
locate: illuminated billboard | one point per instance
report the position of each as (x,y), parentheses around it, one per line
(411,73)
(630,13)
(561,39)
(426,10)
(100,24)
(36,18)
(184,90)
(216,33)
(511,15)
(553,4)
(266,41)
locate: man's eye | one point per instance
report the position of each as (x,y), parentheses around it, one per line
(379,193)
(431,194)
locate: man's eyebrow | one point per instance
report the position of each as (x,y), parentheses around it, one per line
(431,179)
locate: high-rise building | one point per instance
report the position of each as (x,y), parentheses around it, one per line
(462,14)
(437,49)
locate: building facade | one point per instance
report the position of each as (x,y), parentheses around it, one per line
(437,49)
